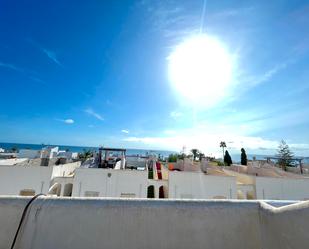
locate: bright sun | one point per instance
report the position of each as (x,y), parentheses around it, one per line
(200,69)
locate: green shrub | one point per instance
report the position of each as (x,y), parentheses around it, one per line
(150,174)
(172,158)
(220,163)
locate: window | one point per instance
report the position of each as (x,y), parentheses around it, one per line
(250,195)
(68,189)
(161,192)
(27,192)
(151,192)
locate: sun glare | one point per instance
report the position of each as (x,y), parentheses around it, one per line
(200,69)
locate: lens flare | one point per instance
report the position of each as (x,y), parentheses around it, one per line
(200,69)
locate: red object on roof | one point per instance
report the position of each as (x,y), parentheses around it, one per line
(158,166)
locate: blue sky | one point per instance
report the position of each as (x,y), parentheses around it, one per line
(96,73)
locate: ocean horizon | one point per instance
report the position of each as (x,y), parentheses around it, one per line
(129,151)
(74,148)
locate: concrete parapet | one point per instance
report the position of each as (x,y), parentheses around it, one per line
(95,223)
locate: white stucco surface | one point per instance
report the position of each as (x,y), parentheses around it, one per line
(13,179)
(137,224)
(110,183)
(197,185)
(282,188)
(65,169)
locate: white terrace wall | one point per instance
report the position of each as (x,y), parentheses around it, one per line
(157,184)
(194,185)
(138,224)
(13,179)
(65,169)
(285,227)
(110,183)
(282,188)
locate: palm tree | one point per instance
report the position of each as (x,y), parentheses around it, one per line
(201,155)
(222,145)
(85,154)
(194,153)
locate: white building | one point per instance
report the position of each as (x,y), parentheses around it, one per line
(31,180)
(20,177)
(271,188)
(67,154)
(24,180)
(269,182)
(197,185)
(110,183)
(49,152)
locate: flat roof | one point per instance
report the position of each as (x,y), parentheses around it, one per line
(12,161)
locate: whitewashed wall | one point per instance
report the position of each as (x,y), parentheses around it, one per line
(49,152)
(81,223)
(282,188)
(65,169)
(157,184)
(110,183)
(13,179)
(194,185)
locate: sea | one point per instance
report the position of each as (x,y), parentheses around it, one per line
(130,152)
